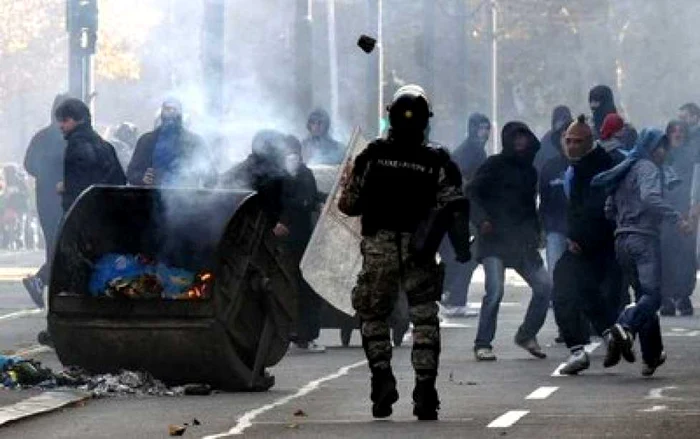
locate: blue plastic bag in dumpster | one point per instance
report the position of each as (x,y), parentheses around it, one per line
(112,266)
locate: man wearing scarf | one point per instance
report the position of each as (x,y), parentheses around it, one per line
(636,187)
(587,279)
(171,155)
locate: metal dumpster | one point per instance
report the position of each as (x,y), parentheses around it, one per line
(227,340)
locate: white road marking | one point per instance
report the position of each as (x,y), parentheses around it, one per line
(20,313)
(46,402)
(682,334)
(589,348)
(246,421)
(656,408)
(542,393)
(32,350)
(477,305)
(658,392)
(508,419)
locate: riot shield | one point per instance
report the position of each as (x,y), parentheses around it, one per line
(332,259)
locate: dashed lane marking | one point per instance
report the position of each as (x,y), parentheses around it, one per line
(589,349)
(542,393)
(246,421)
(20,313)
(508,419)
(655,408)
(658,392)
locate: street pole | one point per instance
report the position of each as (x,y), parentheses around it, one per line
(213,27)
(81,25)
(333,60)
(428,46)
(372,86)
(494,76)
(303,44)
(380,47)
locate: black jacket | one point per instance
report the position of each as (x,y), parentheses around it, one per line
(88,160)
(504,193)
(470,154)
(44,162)
(299,201)
(587,224)
(197,167)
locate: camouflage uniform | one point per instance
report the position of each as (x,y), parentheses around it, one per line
(388,267)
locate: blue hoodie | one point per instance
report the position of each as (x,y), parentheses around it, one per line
(636,186)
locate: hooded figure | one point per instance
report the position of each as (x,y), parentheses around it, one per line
(503,195)
(320,148)
(636,203)
(551,141)
(678,250)
(602,103)
(262,171)
(470,154)
(171,155)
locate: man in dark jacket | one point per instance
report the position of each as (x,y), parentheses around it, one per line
(638,207)
(44,162)
(88,159)
(551,141)
(320,148)
(587,279)
(468,156)
(300,200)
(602,103)
(678,275)
(171,155)
(503,195)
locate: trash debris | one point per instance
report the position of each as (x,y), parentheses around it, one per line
(196,422)
(176,430)
(197,389)
(300,413)
(129,383)
(122,276)
(18,372)
(367,43)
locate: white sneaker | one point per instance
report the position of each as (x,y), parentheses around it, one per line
(454,311)
(309,348)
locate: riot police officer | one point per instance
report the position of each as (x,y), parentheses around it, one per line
(408,194)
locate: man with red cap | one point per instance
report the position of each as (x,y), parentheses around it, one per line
(611,137)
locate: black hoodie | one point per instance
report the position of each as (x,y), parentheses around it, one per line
(604,95)
(504,193)
(551,141)
(44,162)
(470,155)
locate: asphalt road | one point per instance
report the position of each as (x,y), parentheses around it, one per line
(515,397)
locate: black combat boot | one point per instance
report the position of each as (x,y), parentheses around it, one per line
(425,399)
(384,393)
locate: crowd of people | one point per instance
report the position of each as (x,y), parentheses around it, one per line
(68,156)
(612,207)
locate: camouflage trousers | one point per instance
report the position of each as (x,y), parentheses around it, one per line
(388,269)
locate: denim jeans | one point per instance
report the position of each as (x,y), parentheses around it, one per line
(533,272)
(556,246)
(640,258)
(458,276)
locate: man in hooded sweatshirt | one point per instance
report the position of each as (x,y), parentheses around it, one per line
(636,203)
(551,144)
(468,156)
(503,195)
(602,103)
(678,277)
(171,155)
(587,279)
(320,148)
(44,162)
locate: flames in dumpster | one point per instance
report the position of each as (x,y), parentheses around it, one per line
(138,277)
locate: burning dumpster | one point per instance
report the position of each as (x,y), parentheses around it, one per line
(223,325)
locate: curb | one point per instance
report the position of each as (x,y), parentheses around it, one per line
(45,403)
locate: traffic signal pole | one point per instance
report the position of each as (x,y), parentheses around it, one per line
(81,24)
